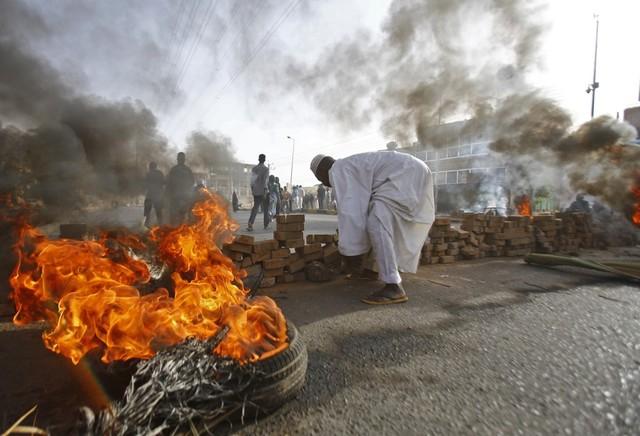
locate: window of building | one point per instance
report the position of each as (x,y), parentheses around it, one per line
(465,150)
(431,155)
(442,154)
(452,152)
(480,148)
(441,178)
(462,176)
(452,177)
(500,174)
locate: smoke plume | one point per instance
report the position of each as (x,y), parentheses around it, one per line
(209,150)
(65,145)
(441,60)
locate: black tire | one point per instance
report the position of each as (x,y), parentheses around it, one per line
(283,375)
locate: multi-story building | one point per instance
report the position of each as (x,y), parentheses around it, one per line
(632,116)
(229,177)
(467,175)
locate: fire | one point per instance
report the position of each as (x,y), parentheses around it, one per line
(635,213)
(89,292)
(523,205)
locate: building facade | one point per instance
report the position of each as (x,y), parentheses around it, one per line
(466,174)
(230,177)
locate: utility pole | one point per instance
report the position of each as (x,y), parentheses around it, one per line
(293,150)
(594,85)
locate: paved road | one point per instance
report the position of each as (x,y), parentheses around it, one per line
(484,348)
(488,347)
(132,217)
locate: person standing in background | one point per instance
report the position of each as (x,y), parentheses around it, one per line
(154,183)
(180,182)
(259,177)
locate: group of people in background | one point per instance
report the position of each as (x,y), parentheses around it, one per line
(270,197)
(176,190)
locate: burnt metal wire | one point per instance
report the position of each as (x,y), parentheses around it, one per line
(182,389)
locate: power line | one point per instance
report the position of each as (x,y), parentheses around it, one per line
(194,47)
(262,43)
(267,36)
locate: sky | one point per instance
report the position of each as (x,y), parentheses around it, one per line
(221,65)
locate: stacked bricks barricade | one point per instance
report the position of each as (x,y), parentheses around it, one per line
(283,259)
(482,236)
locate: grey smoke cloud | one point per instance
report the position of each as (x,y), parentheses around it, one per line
(440,60)
(72,144)
(209,149)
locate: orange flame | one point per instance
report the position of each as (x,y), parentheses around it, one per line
(523,205)
(88,291)
(635,213)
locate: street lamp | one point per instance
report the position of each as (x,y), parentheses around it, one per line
(595,85)
(293,150)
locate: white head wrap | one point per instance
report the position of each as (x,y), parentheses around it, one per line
(316,162)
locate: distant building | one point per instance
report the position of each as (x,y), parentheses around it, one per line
(467,175)
(230,177)
(632,116)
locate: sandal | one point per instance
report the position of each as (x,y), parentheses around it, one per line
(386,295)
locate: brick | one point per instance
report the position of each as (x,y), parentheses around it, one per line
(247,262)
(286,278)
(328,250)
(447,259)
(241,248)
(244,239)
(294,243)
(441,222)
(280,253)
(236,257)
(297,265)
(268,282)
(265,246)
(274,263)
(291,227)
(259,257)
(273,272)
(325,239)
(285,236)
(313,256)
(290,218)
(311,248)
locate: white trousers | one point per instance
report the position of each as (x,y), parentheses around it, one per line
(384,252)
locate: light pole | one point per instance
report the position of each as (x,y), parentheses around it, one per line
(595,85)
(293,150)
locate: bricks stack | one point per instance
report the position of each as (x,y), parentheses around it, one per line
(328,248)
(284,258)
(546,229)
(576,232)
(517,233)
(447,244)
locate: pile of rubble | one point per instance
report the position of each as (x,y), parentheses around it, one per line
(284,258)
(482,235)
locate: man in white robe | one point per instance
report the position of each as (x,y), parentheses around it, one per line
(385,202)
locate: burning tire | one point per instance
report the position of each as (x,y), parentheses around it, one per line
(283,375)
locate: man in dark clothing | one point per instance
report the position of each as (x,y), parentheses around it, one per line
(259,177)
(180,183)
(234,201)
(154,182)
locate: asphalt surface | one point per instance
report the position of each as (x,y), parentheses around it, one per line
(485,348)
(132,217)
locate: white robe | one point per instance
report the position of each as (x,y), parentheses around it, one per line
(388,189)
